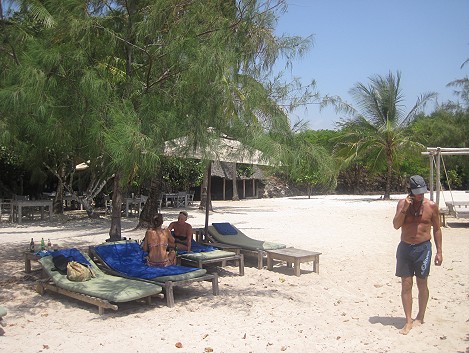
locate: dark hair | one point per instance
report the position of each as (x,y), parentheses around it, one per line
(157,220)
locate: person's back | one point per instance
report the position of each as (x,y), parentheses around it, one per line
(156,243)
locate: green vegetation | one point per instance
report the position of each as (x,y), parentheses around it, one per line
(106,83)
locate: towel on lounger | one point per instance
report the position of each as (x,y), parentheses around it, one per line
(129,259)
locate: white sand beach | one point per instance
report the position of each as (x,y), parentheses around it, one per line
(352,305)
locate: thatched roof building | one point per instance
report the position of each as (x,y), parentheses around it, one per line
(222,182)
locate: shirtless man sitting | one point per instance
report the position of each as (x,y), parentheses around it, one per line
(416,216)
(182,232)
(156,243)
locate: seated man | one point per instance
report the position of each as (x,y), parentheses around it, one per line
(156,243)
(182,232)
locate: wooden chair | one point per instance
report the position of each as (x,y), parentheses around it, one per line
(181,200)
(190,197)
(5,208)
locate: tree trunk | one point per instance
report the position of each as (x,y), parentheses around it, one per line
(387,191)
(59,192)
(151,207)
(115,231)
(234,176)
(203,191)
(87,205)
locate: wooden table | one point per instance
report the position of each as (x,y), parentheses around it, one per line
(169,198)
(179,199)
(134,202)
(72,200)
(28,257)
(18,205)
(293,256)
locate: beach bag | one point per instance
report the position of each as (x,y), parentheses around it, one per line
(77,272)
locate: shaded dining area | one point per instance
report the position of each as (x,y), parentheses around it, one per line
(180,199)
(133,204)
(21,207)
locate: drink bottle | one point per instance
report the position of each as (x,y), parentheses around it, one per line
(31,245)
(49,245)
(43,245)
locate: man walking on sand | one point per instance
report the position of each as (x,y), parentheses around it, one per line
(416,215)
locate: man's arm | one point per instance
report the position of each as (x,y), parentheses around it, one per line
(437,234)
(401,210)
(189,237)
(171,240)
(171,226)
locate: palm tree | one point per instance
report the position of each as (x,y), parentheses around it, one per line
(376,130)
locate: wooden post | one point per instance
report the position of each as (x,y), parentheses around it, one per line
(438,184)
(432,177)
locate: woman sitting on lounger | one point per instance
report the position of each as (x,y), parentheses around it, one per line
(157,242)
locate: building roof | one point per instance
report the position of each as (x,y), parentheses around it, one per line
(223,170)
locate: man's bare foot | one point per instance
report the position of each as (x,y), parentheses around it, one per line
(417,322)
(405,330)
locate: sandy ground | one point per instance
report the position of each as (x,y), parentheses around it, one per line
(352,305)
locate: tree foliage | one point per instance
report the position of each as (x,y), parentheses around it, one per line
(109,81)
(446,127)
(376,131)
(311,163)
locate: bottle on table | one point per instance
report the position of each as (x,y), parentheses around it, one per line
(43,245)
(31,245)
(49,245)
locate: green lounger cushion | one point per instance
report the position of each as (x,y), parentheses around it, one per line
(181,277)
(3,311)
(209,255)
(112,288)
(243,241)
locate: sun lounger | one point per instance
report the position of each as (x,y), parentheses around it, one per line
(226,233)
(104,291)
(202,254)
(126,259)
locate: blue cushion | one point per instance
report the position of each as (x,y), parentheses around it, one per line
(197,247)
(225,228)
(72,254)
(129,259)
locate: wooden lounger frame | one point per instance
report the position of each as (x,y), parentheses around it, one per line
(239,258)
(47,284)
(168,286)
(259,253)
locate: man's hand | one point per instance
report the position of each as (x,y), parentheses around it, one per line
(407,202)
(438,259)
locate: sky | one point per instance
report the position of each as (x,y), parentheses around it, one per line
(353,40)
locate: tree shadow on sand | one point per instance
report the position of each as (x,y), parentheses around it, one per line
(397,322)
(457,224)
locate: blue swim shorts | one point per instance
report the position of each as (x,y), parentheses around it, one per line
(413,259)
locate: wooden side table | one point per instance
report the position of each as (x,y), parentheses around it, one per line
(293,256)
(28,257)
